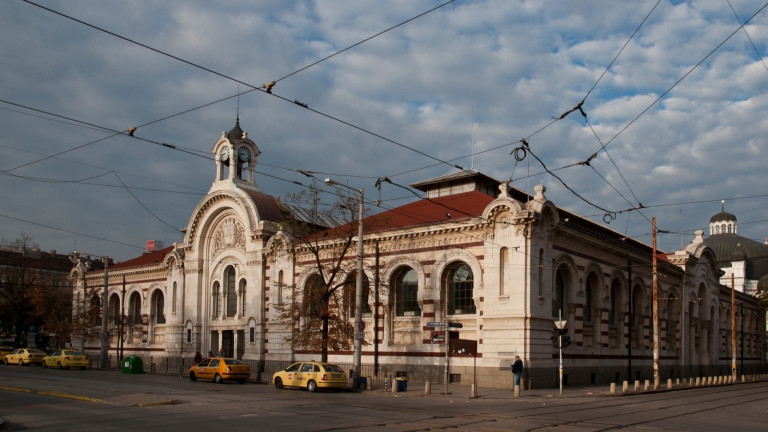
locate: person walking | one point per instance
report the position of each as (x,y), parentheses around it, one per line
(517,370)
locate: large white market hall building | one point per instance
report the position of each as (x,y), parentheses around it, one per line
(500,263)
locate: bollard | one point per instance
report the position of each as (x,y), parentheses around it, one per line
(637,385)
(625,387)
(427,388)
(697,381)
(517,391)
(473,391)
(613,388)
(743,379)
(394,385)
(677,382)
(669,383)
(647,385)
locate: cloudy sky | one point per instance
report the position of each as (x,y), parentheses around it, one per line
(677,121)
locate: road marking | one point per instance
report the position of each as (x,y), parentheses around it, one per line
(49,393)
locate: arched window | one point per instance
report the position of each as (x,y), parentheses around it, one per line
(173,299)
(460,284)
(558,302)
(215,300)
(135,308)
(615,295)
(503,260)
(312,297)
(114,309)
(242,296)
(591,292)
(231,297)
(350,294)
(541,273)
(158,307)
(406,286)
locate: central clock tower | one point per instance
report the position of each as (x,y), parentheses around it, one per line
(235,156)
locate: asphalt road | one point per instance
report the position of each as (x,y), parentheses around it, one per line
(32,398)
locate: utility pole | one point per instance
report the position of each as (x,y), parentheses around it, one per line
(560,324)
(629,334)
(121,341)
(733,328)
(655,314)
(104,335)
(376,314)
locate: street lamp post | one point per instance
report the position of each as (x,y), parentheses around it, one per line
(359,325)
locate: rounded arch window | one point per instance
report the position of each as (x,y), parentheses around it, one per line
(460,286)
(135,308)
(231,296)
(158,307)
(406,284)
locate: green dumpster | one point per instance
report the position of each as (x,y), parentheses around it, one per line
(364,383)
(402,384)
(133,365)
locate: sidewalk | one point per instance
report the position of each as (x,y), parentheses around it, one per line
(417,389)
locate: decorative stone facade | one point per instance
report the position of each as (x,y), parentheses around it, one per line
(503,265)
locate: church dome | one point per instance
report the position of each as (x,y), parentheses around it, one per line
(236,134)
(731,247)
(723,216)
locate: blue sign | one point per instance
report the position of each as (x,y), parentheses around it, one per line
(455,325)
(436,324)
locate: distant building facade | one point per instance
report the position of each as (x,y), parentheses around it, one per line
(497,263)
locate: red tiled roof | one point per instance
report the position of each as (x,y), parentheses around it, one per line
(425,211)
(422,212)
(144,260)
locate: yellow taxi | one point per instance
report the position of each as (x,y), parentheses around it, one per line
(24,356)
(220,369)
(65,359)
(5,350)
(310,375)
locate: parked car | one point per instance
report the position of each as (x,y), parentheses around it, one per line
(6,349)
(220,369)
(311,375)
(24,356)
(65,359)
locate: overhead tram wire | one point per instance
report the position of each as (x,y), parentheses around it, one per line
(610,215)
(259,88)
(114,132)
(655,101)
(747,35)
(70,232)
(366,40)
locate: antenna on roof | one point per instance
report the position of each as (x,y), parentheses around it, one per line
(473,137)
(238,103)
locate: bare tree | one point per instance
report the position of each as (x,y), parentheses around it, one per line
(319,311)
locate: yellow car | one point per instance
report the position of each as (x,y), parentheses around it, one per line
(5,350)
(220,369)
(311,375)
(65,359)
(24,356)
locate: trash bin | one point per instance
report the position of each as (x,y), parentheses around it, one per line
(364,383)
(133,365)
(402,384)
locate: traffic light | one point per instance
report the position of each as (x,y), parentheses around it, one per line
(566,341)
